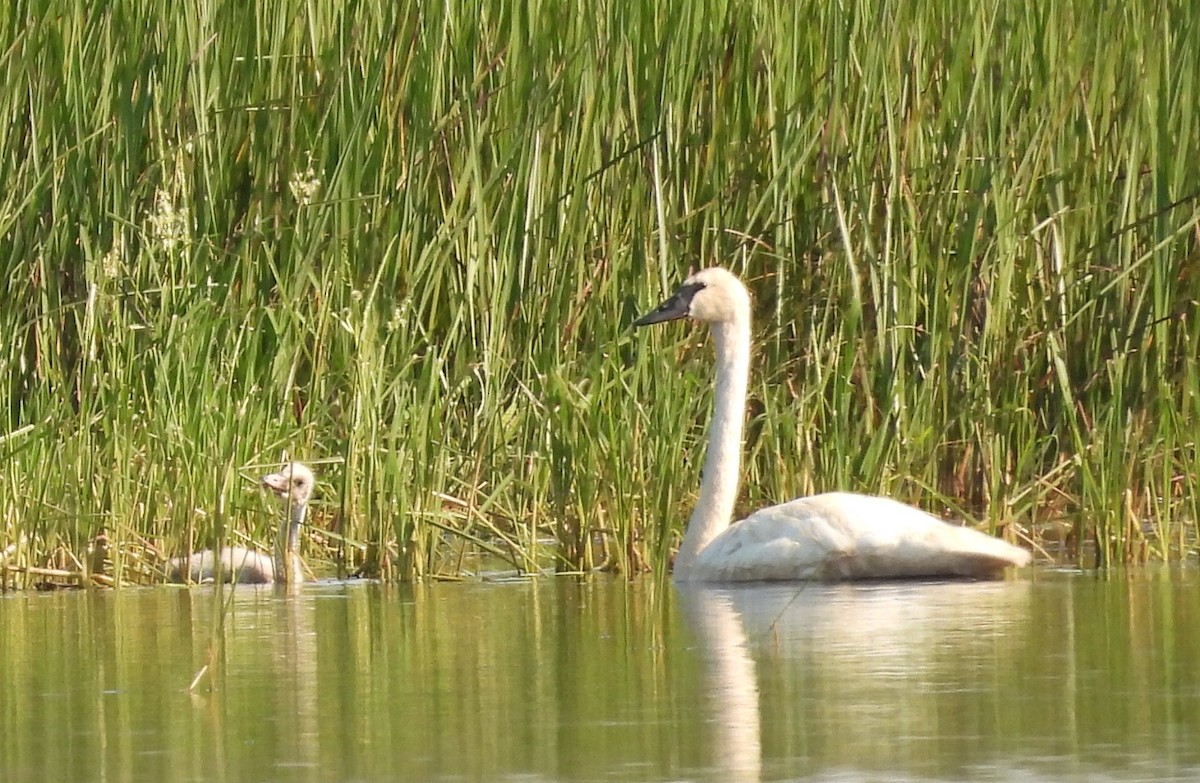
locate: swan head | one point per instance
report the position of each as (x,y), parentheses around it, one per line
(292,484)
(711,295)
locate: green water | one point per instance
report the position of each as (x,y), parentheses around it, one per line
(1052,676)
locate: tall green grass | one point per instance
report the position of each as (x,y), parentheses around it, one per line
(409,238)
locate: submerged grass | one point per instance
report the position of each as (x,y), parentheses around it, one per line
(410,238)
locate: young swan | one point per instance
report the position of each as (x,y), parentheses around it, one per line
(833,536)
(293,484)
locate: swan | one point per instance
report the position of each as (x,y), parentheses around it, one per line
(293,484)
(828,537)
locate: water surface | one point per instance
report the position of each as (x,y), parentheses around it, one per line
(1051,676)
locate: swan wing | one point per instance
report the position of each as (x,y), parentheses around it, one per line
(841,535)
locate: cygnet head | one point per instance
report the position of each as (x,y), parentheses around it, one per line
(292,484)
(711,295)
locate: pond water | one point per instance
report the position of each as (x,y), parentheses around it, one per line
(1048,676)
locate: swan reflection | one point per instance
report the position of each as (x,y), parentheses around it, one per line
(820,671)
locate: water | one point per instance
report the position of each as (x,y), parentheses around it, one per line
(1053,676)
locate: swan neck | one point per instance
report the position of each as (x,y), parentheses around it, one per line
(722,461)
(287,562)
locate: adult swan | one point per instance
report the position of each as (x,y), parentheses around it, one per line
(833,536)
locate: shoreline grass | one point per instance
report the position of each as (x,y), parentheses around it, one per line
(412,239)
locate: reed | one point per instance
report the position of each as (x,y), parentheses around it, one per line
(410,238)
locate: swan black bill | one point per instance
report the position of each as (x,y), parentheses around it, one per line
(678,306)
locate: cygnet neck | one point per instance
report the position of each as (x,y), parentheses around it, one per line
(287,562)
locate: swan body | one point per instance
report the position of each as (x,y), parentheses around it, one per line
(238,565)
(840,535)
(293,484)
(833,536)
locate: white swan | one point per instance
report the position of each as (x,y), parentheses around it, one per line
(833,536)
(293,484)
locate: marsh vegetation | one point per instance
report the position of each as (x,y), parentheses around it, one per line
(411,238)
